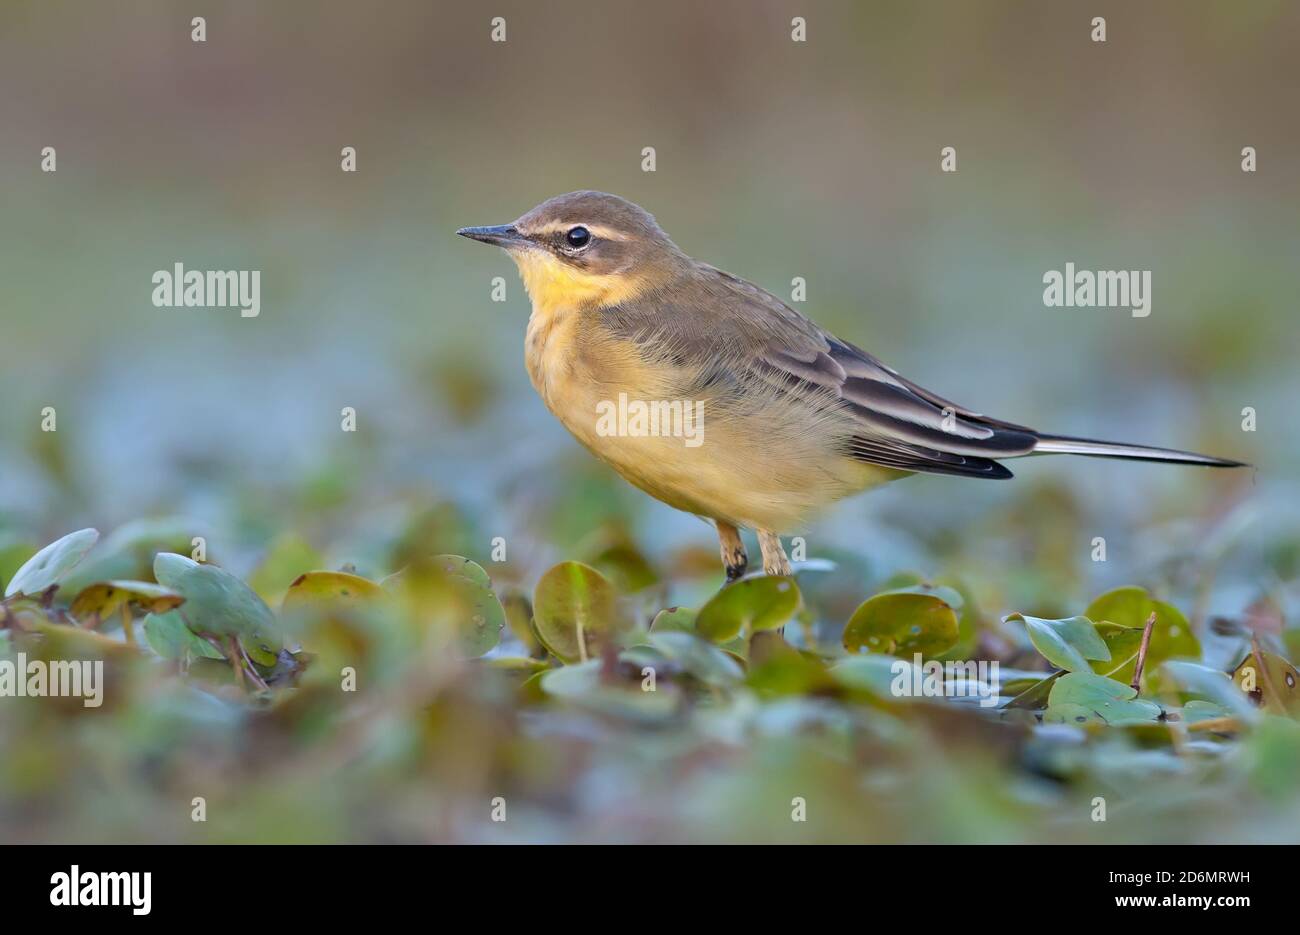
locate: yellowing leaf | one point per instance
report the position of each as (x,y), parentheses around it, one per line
(106,598)
(322,590)
(1276,687)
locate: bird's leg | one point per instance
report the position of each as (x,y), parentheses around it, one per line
(734,559)
(774,560)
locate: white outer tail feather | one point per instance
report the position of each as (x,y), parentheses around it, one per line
(1064,444)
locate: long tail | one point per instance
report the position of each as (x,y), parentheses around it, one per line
(1095,448)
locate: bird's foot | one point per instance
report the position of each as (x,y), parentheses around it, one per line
(774,557)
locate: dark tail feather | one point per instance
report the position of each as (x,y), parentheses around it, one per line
(1064,444)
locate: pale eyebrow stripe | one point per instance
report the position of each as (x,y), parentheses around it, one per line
(599,230)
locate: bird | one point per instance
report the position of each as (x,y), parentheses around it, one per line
(633,346)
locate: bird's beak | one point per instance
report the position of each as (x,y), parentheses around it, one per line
(503,235)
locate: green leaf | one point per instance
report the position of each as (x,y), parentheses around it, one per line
(127,553)
(585,684)
(1211,685)
(1071,713)
(1196,711)
(950,596)
(12,557)
(574,608)
(452,587)
(1112,701)
(1123,643)
(748,606)
(170,569)
(902,623)
(701,659)
(483,619)
(969,622)
(1130,607)
(464,567)
(170,638)
(1068,643)
(873,673)
(674,619)
(1035,697)
(218,603)
(519,617)
(51,563)
(287,557)
(626,567)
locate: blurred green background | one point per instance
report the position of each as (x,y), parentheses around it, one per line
(775,159)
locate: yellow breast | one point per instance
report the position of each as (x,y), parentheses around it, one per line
(760,462)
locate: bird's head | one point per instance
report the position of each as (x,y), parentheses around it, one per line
(585,248)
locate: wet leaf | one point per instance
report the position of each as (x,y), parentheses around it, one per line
(902,623)
(765,602)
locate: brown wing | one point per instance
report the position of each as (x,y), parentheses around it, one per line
(749,336)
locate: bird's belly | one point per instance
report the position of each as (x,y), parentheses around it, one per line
(758,466)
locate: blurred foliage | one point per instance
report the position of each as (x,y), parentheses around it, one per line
(422,707)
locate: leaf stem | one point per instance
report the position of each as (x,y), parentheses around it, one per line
(126,623)
(1142,652)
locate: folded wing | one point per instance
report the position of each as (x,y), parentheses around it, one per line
(737,333)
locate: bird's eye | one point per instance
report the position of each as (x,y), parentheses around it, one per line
(578,237)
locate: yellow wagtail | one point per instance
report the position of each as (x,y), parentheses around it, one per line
(769,416)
